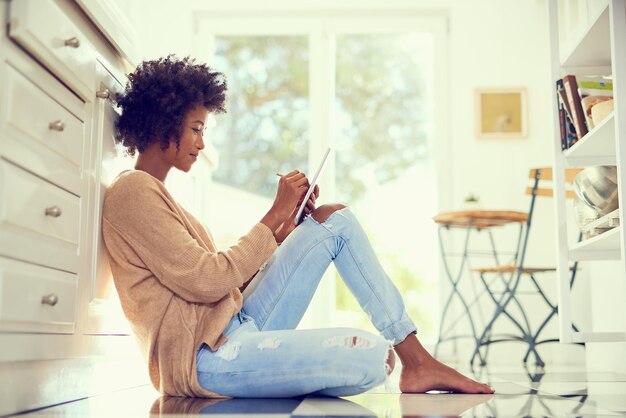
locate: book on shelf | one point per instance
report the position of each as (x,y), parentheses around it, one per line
(562,127)
(577,99)
(568,134)
(561,91)
(575,104)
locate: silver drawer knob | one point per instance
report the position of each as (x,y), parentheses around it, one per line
(72,42)
(53,211)
(103,94)
(57,125)
(50,299)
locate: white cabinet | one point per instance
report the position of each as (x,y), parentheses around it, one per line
(104,313)
(60,323)
(597,46)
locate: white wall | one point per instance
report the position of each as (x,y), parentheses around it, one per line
(491,43)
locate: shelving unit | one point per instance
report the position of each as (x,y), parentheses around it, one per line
(600,49)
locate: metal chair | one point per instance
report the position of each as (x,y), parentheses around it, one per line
(511,275)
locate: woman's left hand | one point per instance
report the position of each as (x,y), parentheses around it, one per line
(289,225)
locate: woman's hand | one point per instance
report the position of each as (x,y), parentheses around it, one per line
(291,189)
(289,225)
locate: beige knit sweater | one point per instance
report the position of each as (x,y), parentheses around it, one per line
(176,289)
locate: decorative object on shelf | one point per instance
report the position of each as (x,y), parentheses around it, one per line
(501,112)
(593,91)
(596,197)
(597,187)
(600,111)
(584,215)
(589,103)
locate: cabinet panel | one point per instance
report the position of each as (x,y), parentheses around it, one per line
(39,221)
(36,299)
(43,29)
(32,100)
(36,114)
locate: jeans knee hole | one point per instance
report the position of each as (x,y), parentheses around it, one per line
(357,343)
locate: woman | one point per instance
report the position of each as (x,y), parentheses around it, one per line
(182,297)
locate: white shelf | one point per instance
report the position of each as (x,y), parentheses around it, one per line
(592,48)
(595,148)
(605,246)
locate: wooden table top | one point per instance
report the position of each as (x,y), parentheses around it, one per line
(480,219)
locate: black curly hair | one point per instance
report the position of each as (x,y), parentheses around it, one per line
(158,95)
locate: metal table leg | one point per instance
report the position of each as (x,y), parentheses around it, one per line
(454,281)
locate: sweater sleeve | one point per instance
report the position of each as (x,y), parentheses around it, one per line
(148,223)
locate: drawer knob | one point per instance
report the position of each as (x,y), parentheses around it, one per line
(50,299)
(103,94)
(53,211)
(72,42)
(57,125)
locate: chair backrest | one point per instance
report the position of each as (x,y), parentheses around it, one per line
(541,181)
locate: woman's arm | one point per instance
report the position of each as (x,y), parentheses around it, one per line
(146,224)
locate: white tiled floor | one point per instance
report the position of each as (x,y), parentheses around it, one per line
(558,392)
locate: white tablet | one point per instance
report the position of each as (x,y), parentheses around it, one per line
(298,218)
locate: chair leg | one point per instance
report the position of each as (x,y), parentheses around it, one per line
(501,305)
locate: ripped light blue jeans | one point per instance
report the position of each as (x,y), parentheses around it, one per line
(265,356)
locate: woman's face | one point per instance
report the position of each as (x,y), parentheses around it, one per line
(191,141)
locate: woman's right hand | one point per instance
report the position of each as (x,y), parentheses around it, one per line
(291,188)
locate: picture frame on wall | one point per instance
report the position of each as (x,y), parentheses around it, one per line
(501,112)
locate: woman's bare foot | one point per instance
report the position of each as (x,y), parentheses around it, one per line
(433,375)
(422,373)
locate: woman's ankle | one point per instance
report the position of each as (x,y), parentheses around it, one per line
(411,352)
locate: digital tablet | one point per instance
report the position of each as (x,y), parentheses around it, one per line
(298,218)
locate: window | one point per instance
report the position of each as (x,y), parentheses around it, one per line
(364,87)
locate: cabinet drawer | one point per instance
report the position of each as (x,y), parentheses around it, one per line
(36,299)
(39,222)
(49,34)
(31,111)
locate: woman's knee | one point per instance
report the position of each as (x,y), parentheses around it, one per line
(322,213)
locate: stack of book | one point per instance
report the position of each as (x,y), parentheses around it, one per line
(583,104)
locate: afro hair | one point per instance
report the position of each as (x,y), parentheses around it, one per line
(158,95)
